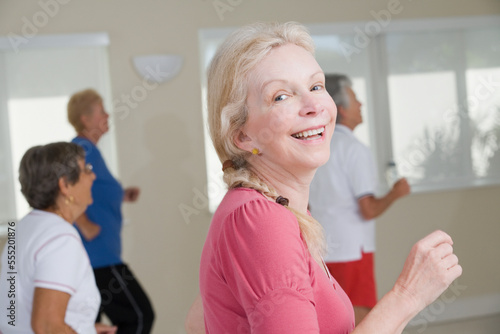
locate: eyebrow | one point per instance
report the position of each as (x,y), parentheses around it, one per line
(284,80)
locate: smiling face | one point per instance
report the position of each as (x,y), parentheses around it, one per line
(291,116)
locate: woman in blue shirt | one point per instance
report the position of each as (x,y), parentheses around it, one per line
(123,299)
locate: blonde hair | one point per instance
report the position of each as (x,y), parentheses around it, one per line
(227,111)
(80,104)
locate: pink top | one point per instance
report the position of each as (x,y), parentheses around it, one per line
(257,276)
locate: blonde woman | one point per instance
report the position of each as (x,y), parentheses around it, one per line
(271,121)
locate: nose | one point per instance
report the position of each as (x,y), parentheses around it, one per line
(311,105)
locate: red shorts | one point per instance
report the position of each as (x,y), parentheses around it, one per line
(357,278)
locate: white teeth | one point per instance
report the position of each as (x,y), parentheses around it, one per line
(309,133)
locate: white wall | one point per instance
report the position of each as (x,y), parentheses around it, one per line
(160,143)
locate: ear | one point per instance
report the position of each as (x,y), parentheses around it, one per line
(84,119)
(243,141)
(63,186)
(341,112)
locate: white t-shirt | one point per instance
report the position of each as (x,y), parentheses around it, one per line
(48,254)
(349,174)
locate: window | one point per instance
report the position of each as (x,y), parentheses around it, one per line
(430,91)
(445,106)
(36,82)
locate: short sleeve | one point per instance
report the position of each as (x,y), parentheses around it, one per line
(267,268)
(60,263)
(362,172)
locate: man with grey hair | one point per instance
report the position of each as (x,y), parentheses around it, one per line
(342,199)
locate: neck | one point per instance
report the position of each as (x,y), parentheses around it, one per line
(66,210)
(64,214)
(93,136)
(294,187)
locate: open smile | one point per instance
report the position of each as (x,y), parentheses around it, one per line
(310,134)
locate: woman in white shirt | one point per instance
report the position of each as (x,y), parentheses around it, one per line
(47,284)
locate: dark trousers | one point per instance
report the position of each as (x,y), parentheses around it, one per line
(123,300)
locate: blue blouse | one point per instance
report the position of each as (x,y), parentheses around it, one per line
(107,193)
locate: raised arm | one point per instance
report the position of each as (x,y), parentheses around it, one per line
(428,271)
(371,207)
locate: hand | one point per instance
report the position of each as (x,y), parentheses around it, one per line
(429,269)
(401,188)
(131,194)
(105,329)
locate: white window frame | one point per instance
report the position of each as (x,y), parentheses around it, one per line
(37,42)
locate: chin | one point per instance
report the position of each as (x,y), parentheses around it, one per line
(321,163)
(318,161)
(321,158)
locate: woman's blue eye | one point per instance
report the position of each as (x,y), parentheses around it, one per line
(317,87)
(280,98)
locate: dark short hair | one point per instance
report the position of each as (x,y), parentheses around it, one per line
(41,168)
